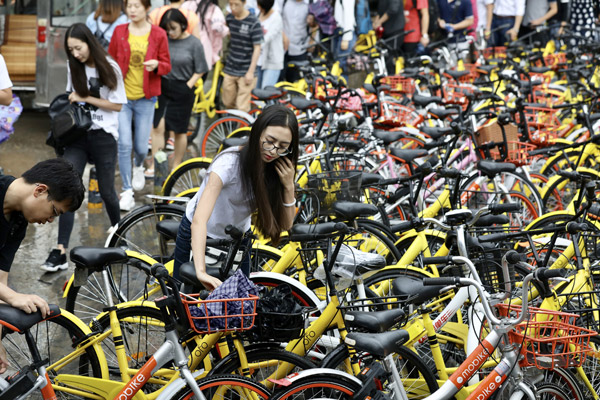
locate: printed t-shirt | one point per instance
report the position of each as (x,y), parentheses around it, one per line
(412,20)
(104,119)
(134,81)
(233,205)
(12,232)
(245,33)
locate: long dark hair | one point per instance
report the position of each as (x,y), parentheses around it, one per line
(109,10)
(202,7)
(107,74)
(261,177)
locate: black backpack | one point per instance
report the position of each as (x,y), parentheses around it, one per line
(434,14)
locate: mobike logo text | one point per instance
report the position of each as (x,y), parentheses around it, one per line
(473,363)
(440,321)
(488,386)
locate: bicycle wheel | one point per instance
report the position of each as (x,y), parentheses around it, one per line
(263,362)
(188,175)
(217,131)
(137,231)
(143,333)
(591,365)
(128,282)
(56,338)
(322,386)
(478,191)
(375,238)
(417,378)
(220,387)
(262,259)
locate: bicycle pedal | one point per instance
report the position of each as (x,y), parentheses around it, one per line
(18,384)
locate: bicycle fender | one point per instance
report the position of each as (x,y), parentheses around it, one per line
(173,387)
(128,304)
(290,281)
(288,380)
(241,114)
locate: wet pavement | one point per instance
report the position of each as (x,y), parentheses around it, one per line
(25,148)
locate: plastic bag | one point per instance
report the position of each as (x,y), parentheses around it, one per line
(348,259)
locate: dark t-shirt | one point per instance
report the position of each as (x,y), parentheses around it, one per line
(245,33)
(395,12)
(455,12)
(12,232)
(187,58)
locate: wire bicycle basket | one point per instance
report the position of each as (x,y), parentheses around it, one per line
(220,315)
(549,339)
(332,186)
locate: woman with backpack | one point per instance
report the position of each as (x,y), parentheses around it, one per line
(105,19)
(212,27)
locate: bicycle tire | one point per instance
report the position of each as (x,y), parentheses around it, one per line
(322,386)
(260,363)
(409,368)
(217,131)
(55,338)
(381,240)
(566,190)
(188,175)
(137,230)
(212,387)
(267,282)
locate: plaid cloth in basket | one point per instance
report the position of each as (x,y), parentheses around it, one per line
(238,286)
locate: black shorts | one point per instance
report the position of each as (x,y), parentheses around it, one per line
(175,105)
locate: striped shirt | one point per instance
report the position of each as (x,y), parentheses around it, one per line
(245,34)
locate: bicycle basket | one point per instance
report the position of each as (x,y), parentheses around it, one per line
(332,186)
(220,315)
(549,339)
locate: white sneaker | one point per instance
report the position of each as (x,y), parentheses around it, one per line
(127,201)
(138,181)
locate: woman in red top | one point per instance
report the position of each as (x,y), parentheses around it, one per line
(142,52)
(416,15)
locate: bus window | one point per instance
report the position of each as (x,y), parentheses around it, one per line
(65,13)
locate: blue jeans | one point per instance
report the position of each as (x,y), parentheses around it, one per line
(267,77)
(499,37)
(183,248)
(142,110)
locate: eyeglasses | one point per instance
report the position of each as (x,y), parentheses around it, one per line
(56,214)
(268,146)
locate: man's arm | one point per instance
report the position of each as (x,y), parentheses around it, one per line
(26,302)
(255,56)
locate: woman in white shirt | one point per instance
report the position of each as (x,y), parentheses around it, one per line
(270,62)
(241,180)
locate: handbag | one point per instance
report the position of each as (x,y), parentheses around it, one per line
(67,122)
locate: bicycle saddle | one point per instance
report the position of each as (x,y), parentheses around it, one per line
(352,210)
(492,168)
(486,69)
(368,179)
(234,141)
(168,228)
(304,104)
(423,101)
(443,113)
(457,74)
(412,289)
(187,275)
(408,156)
(94,258)
(378,344)
(540,70)
(15,320)
(267,93)
(436,132)
(325,228)
(387,136)
(378,321)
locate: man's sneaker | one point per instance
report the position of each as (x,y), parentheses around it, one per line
(138,181)
(127,201)
(55,261)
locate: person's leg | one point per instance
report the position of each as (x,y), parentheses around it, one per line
(244,94)
(125,145)
(183,245)
(103,147)
(293,73)
(144,112)
(259,77)
(269,77)
(229,91)
(57,259)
